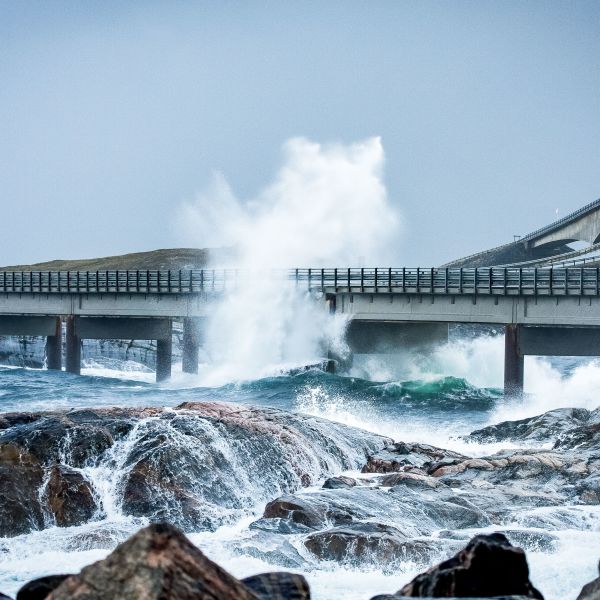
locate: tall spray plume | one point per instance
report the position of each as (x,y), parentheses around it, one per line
(327,206)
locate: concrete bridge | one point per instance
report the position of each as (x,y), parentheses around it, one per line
(545,311)
(549,242)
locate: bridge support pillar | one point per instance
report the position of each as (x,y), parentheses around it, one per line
(72,346)
(514,361)
(164,353)
(54,348)
(192,338)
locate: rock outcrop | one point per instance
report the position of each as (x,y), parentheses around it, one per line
(489,566)
(194,465)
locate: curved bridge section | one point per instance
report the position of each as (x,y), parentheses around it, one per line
(582,225)
(545,243)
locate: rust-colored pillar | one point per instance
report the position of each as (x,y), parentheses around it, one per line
(514,363)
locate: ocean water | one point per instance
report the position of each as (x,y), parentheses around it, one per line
(446,400)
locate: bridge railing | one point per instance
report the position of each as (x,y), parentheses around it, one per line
(488,280)
(184,281)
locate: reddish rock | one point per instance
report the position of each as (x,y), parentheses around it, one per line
(69,496)
(157,563)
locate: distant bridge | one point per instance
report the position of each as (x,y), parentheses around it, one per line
(545,311)
(549,242)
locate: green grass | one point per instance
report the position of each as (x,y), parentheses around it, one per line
(168,258)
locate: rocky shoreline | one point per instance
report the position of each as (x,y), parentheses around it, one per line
(203,465)
(160,563)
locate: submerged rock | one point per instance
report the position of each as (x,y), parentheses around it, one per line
(489,566)
(158,562)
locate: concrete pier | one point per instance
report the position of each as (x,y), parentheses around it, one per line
(54,348)
(192,339)
(514,361)
(72,346)
(164,352)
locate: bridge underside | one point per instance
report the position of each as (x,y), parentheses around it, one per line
(69,338)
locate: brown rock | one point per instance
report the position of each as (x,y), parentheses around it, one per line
(69,496)
(158,562)
(21,475)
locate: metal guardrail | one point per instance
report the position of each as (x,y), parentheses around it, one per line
(471,281)
(480,281)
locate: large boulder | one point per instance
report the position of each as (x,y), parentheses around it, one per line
(158,562)
(489,566)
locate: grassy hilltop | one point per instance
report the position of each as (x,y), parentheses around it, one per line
(168,258)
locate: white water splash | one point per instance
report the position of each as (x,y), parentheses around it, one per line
(327,206)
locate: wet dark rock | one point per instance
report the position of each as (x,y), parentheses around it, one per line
(4,597)
(341,482)
(489,566)
(158,562)
(412,480)
(402,456)
(38,589)
(368,543)
(69,496)
(591,590)
(541,428)
(186,464)
(278,586)
(298,510)
(21,476)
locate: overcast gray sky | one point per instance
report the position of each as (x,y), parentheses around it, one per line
(113,113)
